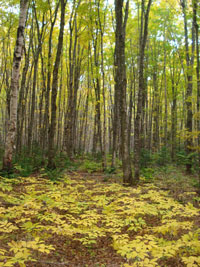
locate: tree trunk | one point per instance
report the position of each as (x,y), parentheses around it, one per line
(198,79)
(22,102)
(73,84)
(165,82)
(101,28)
(141,93)
(10,139)
(156,113)
(49,71)
(190,62)
(52,128)
(120,85)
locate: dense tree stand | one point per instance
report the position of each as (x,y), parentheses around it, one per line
(100,80)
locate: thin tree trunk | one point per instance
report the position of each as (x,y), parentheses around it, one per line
(190,62)
(22,101)
(165,82)
(73,84)
(198,78)
(156,113)
(49,71)
(52,128)
(43,84)
(140,107)
(101,27)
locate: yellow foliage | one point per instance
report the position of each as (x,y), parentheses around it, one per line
(172,227)
(7,227)
(191,261)
(86,213)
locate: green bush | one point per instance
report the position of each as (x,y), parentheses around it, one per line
(162,157)
(182,159)
(53,174)
(148,174)
(110,170)
(145,158)
(24,170)
(91,166)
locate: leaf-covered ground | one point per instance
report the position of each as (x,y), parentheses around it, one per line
(83,221)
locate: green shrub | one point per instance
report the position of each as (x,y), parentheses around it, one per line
(110,170)
(91,166)
(183,159)
(145,158)
(24,170)
(162,157)
(148,174)
(53,174)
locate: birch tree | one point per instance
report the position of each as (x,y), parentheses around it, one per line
(18,53)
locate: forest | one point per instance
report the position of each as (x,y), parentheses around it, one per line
(99,133)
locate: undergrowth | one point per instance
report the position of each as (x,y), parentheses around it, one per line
(145,226)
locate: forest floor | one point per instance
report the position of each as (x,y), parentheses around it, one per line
(91,220)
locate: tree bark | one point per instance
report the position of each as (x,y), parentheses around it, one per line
(22,101)
(141,93)
(120,85)
(73,83)
(52,128)
(190,62)
(198,79)
(18,52)
(49,71)
(35,73)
